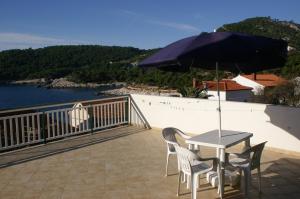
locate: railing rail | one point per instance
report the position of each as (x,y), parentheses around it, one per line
(41,124)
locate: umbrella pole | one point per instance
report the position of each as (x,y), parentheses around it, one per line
(219,101)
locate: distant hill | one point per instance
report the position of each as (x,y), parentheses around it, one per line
(274,28)
(86,63)
(59,61)
(265,26)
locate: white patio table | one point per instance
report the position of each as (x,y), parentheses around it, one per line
(228,139)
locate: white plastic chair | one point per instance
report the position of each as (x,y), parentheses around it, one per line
(170,138)
(246,162)
(192,167)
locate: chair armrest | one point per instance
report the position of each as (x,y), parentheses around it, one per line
(208,159)
(233,155)
(228,156)
(185,136)
(245,154)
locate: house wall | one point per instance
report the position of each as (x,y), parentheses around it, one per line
(257,88)
(278,125)
(239,96)
(214,95)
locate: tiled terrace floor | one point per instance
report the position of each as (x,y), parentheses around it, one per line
(129,166)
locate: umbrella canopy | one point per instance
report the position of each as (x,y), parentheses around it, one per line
(235,52)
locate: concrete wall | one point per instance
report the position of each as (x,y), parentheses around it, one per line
(278,125)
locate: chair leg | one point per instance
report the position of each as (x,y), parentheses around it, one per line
(188,181)
(259,179)
(247,175)
(179,179)
(168,155)
(193,186)
(183,178)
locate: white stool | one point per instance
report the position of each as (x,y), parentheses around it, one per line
(231,178)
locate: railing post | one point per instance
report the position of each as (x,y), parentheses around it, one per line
(129,110)
(91,118)
(43,128)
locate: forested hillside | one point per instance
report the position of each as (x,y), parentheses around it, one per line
(102,64)
(274,28)
(58,61)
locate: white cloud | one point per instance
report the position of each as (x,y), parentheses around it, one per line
(129,12)
(178,26)
(10,40)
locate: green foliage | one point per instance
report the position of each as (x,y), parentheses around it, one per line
(292,66)
(284,94)
(192,92)
(82,64)
(59,61)
(265,26)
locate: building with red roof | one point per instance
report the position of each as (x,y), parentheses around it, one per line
(258,82)
(229,90)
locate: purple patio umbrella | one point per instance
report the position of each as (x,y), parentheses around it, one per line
(235,52)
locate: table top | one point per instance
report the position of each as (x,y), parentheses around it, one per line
(211,138)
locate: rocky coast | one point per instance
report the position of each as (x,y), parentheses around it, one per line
(116,88)
(144,90)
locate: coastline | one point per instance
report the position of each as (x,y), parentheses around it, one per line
(116,88)
(65,83)
(143,90)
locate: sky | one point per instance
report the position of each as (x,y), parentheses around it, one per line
(143,24)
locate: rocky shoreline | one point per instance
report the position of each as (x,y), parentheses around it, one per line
(144,90)
(65,83)
(116,88)
(30,81)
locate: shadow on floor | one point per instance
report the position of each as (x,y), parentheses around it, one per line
(280,179)
(41,151)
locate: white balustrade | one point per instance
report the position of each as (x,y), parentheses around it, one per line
(45,123)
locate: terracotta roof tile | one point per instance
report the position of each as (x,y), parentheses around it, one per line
(267,80)
(224,85)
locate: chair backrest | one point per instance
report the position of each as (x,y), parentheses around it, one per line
(169,134)
(256,152)
(169,137)
(183,159)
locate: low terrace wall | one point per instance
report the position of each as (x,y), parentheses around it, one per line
(279,125)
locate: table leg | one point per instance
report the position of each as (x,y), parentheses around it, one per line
(247,143)
(222,171)
(218,169)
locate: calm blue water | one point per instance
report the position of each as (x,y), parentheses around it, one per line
(16,96)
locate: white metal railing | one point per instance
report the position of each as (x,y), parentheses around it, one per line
(21,127)
(136,117)
(19,130)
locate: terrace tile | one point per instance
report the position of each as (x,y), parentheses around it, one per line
(128,163)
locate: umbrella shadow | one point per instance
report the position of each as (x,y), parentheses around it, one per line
(286,118)
(41,151)
(278,178)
